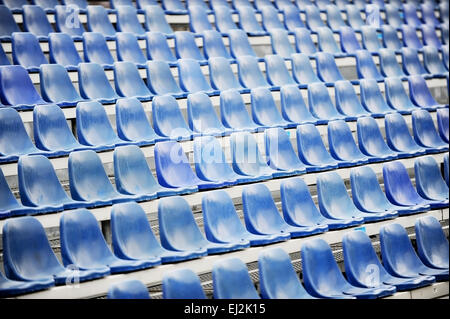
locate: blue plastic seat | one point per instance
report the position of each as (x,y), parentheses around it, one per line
(397,97)
(293,107)
(429,36)
(342,145)
(62,51)
(94,128)
(96,50)
(368,195)
(168,120)
(201,116)
(303,41)
(248,22)
(250,75)
(234,114)
(142,4)
(16,88)
(198,3)
(115,4)
(36,262)
(157,47)
(223,18)
(173,6)
(260,4)
(313,20)
(56,85)
(127,21)
(291,16)
(83,245)
(182,284)
(410,15)
(213,45)
(372,99)
(51,131)
(389,66)
(443,123)
(35,21)
(198,19)
(311,149)
(399,189)
(370,38)
(47,5)
(326,41)
(393,15)
(239,44)
(365,66)
(192,79)
(323,278)
(360,258)
(302,70)
(280,43)
(66,22)
(334,18)
(26,51)
(432,62)
(7,23)
(371,142)
(185,46)
(81,4)
(420,93)
(214,4)
(320,104)
(222,76)
(264,109)
(129,83)
(347,102)
(132,123)
(323,4)
(161,81)
(276,71)
(155,19)
(241,3)
(98,21)
(232,281)
(269,17)
(398,137)
(133,238)
(428,15)
(127,49)
(411,63)
(400,258)
(327,70)
(354,16)
(129,289)
(429,182)
(94,84)
(432,244)
(410,38)
(390,37)
(348,40)
(9,288)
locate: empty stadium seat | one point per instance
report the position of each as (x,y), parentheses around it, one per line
(182,284)
(81,4)
(94,84)
(213,45)
(370,39)
(128,82)
(98,21)
(303,41)
(347,102)
(264,109)
(96,50)
(390,37)
(425,133)
(313,19)
(7,23)
(399,256)
(223,18)
(365,66)
(62,51)
(372,98)
(269,17)
(429,37)
(327,43)
(276,71)
(291,16)
(397,97)
(248,22)
(66,21)
(354,17)
(133,238)
(10,287)
(192,79)
(389,66)
(198,18)
(157,47)
(293,107)
(277,277)
(420,93)
(127,21)
(83,245)
(428,15)
(393,15)
(349,42)
(155,19)
(334,18)
(47,5)
(35,21)
(443,123)
(411,63)
(360,258)
(302,70)
(327,70)
(129,289)
(429,182)
(280,43)
(127,49)
(174,6)
(250,75)
(432,62)
(26,51)
(320,104)
(239,44)
(410,38)
(410,15)
(185,46)
(222,76)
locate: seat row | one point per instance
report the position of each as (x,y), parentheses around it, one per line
(279,280)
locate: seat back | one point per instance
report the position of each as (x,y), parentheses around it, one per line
(127,48)
(155,19)
(127,20)
(98,21)
(129,289)
(157,47)
(182,284)
(62,50)
(35,21)
(26,50)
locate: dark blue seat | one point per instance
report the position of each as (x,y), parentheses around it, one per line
(429,182)
(129,289)
(302,70)
(390,37)
(168,120)
(320,104)
(323,278)
(129,83)
(202,117)
(428,15)
(303,41)
(410,38)
(179,231)
(264,109)
(26,51)
(432,62)
(182,284)
(410,15)
(51,131)
(226,227)
(115,4)
(133,239)
(276,71)
(327,70)
(173,6)
(389,66)
(89,182)
(155,19)
(425,133)
(400,258)
(35,21)
(83,245)
(393,15)
(127,21)
(370,38)
(334,18)
(16,88)
(239,44)
(223,18)
(443,123)
(420,93)
(65,22)
(234,114)
(397,97)
(446,169)
(133,176)
(277,277)
(62,51)
(291,16)
(94,84)
(269,17)
(432,244)
(365,66)
(312,18)
(399,189)
(96,50)
(354,16)
(342,145)
(248,22)
(213,45)
(247,159)
(348,40)
(81,4)
(133,124)
(98,21)
(9,288)
(312,151)
(94,128)
(250,75)
(127,49)
(372,99)
(361,260)
(398,137)
(327,43)
(429,36)
(185,46)
(411,63)
(347,102)
(7,23)
(56,85)
(232,281)
(198,19)
(222,76)
(36,262)
(280,43)
(280,153)
(157,47)
(293,107)
(192,79)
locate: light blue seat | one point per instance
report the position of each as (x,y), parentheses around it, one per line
(223,18)
(269,17)
(62,51)
(428,15)
(349,42)
(372,99)
(157,47)
(213,45)
(429,182)
(182,284)
(276,71)
(420,93)
(389,66)
(81,4)
(7,23)
(303,41)
(365,66)
(96,50)
(281,46)
(198,19)
(432,62)
(264,109)
(65,22)
(429,36)
(222,76)
(390,37)
(313,20)
(334,17)
(393,15)
(94,84)
(239,44)
(128,82)
(173,7)
(293,107)
(354,16)
(410,15)
(185,46)
(425,133)
(326,42)
(128,289)
(155,19)
(9,288)
(302,70)
(127,21)
(370,38)
(327,70)
(127,49)
(410,38)
(98,21)
(347,102)
(291,15)
(443,123)
(26,51)
(35,21)
(320,104)
(192,79)
(397,97)
(115,4)
(248,22)
(411,63)
(250,75)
